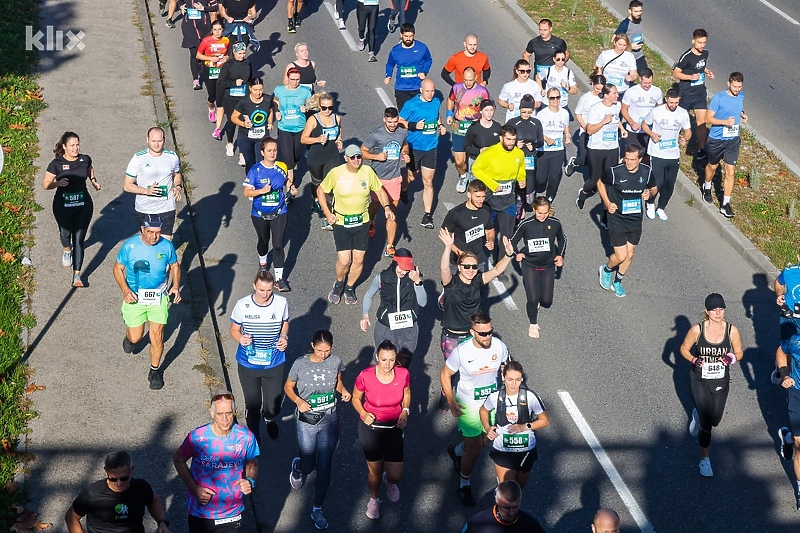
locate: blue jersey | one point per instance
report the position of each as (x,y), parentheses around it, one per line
(724,107)
(418,109)
(274,202)
(410,62)
(292,119)
(791,347)
(146,267)
(790,278)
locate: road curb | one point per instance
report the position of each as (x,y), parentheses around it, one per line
(684,187)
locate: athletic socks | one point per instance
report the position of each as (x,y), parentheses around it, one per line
(315,509)
(262,259)
(726,200)
(464,482)
(278,273)
(607,270)
(707,185)
(153,367)
(619,277)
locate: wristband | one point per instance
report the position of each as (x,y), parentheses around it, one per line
(387,205)
(450,114)
(252,482)
(407,410)
(510,255)
(729,359)
(783,372)
(412,126)
(696,361)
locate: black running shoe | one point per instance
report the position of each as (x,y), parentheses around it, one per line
(465,493)
(581,199)
(569,170)
(727,211)
(283,286)
(787,449)
(273,429)
(707,197)
(451,451)
(156,379)
(127,345)
(701,154)
(427,221)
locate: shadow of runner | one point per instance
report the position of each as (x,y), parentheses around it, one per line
(671,355)
(114,224)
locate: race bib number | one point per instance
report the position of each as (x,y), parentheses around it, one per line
(481,393)
(541,70)
(539,245)
(564,96)
(429,128)
(353,221)
(463,126)
(370,2)
(271,199)
(213,73)
(73,199)
(256,132)
(261,356)
(530,162)
(558,143)
(610,136)
(392,152)
(616,81)
(475,233)
(715,370)
(238,90)
(408,72)
(291,113)
(400,320)
(193,14)
(163,190)
(729,132)
(637,39)
(668,144)
(515,440)
(148,296)
(321,401)
(331,133)
(505,188)
(630,207)
(699,81)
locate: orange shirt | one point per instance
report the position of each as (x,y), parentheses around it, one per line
(459,61)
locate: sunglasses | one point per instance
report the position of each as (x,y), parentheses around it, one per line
(560,59)
(326,107)
(524,71)
(484,333)
(554,98)
(469,266)
(222,396)
(115,479)
(357,156)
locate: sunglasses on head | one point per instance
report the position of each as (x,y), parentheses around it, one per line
(484,333)
(470,266)
(115,479)
(326,107)
(524,71)
(222,396)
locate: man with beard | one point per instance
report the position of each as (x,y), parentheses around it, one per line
(632,27)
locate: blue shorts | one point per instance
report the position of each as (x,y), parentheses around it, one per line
(793,398)
(457,142)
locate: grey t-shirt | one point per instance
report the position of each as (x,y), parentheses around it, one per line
(634,32)
(316,382)
(380,140)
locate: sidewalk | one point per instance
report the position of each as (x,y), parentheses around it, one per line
(96,398)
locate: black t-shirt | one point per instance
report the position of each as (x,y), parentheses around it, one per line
(530,131)
(541,242)
(77,172)
(691,63)
(194,29)
(478,137)
(543,51)
(625,189)
(238,8)
(461,300)
(107,511)
(258,113)
(485,522)
(468,227)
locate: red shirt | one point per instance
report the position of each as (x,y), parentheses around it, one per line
(459,61)
(210,46)
(384,400)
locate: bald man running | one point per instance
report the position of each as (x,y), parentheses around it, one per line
(605,521)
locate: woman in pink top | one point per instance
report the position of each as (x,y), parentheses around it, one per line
(382,397)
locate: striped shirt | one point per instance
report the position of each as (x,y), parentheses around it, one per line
(264,323)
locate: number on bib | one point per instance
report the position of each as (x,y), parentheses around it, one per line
(530,162)
(715,370)
(256,132)
(400,320)
(73,199)
(408,72)
(610,136)
(539,245)
(631,206)
(321,401)
(261,356)
(729,132)
(148,296)
(213,73)
(475,233)
(238,91)
(668,144)
(481,393)
(505,188)
(352,221)
(515,440)
(271,199)
(193,14)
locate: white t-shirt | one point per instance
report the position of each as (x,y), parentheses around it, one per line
(586,101)
(617,69)
(668,124)
(553,125)
(607,138)
(477,369)
(515,442)
(553,78)
(513,91)
(641,102)
(148,170)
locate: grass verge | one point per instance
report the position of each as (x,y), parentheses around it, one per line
(765,189)
(20,104)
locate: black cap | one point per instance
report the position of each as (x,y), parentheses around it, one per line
(487,103)
(152,221)
(715,301)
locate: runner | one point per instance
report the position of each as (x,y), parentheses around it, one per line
(72,205)
(254,116)
(413,61)
(469,57)
(367,15)
(142,270)
(397,16)
(323,136)
(293,8)
(307,68)
(632,27)
(350,185)
(401,296)
(712,346)
(509,417)
(787,292)
(338,14)
(602,148)
(213,51)
(530,139)
(543,47)
(215,498)
(478,362)
(386,150)
(637,102)
(555,126)
(483,133)
(617,64)
(586,101)
(265,186)
(260,324)
(195,25)
(725,115)
(505,516)
(665,151)
(420,116)
(471,227)
(312,384)
(234,75)
(521,84)
(154,176)
(788,352)
(103,501)
(691,71)
(290,100)
(559,77)
(605,521)
(542,249)
(382,399)
(463,109)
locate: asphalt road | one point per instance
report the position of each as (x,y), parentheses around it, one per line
(615,357)
(744,35)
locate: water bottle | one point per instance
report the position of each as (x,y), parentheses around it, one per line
(250,349)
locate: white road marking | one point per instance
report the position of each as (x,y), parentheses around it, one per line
(605,462)
(499,287)
(779,12)
(345,34)
(384,97)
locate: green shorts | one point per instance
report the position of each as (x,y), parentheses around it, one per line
(136,314)
(469,423)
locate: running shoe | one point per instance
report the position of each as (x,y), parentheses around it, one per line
(569,170)
(451,451)
(319,519)
(404,197)
(372,58)
(443,405)
(229,149)
(533,331)
(727,211)
(388,251)
(650,210)
(787,448)
(283,285)
(295,476)
(581,199)
(392,492)
(336,292)
(661,214)
(465,493)
(707,197)
(350,297)
(392,25)
(326,226)
(212,117)
(440,301)
(170,25)
(196,85)
(343,27)
(619,290)
(156,379)
(530,198)
(374,509)
(701,154)
(127,345)
(427,221)
(66,259)
(241,160)
(273,429)
(694,424)
(217,134)
(705,468)
(290,28)
(262,267)
(461,186)
(602,219)
(361,45)
(162,8)
(315,207)
(605,277)
(76,280)
(297,20)
(371,229)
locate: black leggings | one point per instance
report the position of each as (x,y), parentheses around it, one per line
(340,7)
(539,283)
(73,223)
(194,63)
(580,157)
(665,172)
(290,149)
(367,18)
(263,393)
(710,405)
(211,86)
(599,161)
(318,172)
(549,173)
(275,227)
(503,227)
(229,104)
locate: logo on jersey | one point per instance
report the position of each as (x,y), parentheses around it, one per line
(319,377)
(258,117)
(120,511)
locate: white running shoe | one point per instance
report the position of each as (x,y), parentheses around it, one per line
(229,149)
(461,186)
(66,258)
(651,211)
(241,160)
(341,24)
(661,214)
(694,425)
